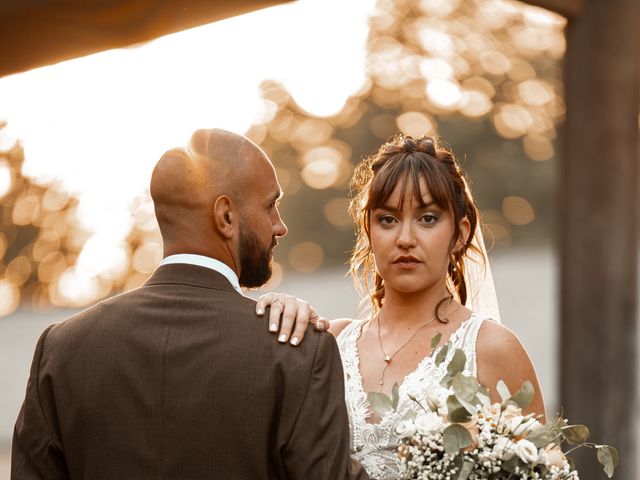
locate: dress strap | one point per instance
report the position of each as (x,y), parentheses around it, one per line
(468,342)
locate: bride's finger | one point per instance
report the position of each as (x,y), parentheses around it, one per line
(263,302)
(320,324)
(288,318)
(303,316)
(276,308)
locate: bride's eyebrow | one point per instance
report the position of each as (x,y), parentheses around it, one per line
(392,209)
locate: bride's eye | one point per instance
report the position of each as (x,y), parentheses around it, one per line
(385,219)
(429,218)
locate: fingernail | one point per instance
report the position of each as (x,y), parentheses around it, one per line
(282,338)
(294,341)
(260,311)
(273,327)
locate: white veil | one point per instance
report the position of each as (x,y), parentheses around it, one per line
(481,289)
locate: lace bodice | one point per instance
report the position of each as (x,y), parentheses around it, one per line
(375,445)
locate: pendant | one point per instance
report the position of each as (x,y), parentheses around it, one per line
(387,359)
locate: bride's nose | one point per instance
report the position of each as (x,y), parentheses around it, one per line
(406,236)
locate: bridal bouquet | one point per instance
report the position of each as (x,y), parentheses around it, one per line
(460,434)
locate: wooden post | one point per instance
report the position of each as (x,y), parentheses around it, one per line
(599,228)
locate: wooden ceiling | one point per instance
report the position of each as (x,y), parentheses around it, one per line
(35,33)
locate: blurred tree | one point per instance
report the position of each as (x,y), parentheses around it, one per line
(483,75)
(40,237)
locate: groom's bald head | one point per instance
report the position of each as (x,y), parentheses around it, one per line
(214,163)
(201,193)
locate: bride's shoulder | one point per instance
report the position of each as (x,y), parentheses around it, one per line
(338,325)
(494,339)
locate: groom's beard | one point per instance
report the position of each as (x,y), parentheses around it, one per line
(255,261)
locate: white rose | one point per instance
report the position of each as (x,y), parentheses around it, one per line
(434,399)
(428,422)
(527,451)
(406,429)
(504,449)
(522,425)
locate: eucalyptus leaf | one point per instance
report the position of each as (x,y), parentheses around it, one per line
(511,464)
(524,396)
(456,365)
(395,396)
(575,434)
(465,387)
(435,341)
(483,396)
(460,415)
(465,471)
(608,458)
(455,438)
(541,437)
(456,411)
(380,402)
(442,354)
(446,380)
(503,391)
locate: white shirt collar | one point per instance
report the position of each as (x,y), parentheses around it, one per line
(207,262)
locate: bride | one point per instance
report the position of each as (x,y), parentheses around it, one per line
(417,234)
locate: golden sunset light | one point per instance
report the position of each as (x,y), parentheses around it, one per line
(295,78)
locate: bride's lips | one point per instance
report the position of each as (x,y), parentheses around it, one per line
(406,261)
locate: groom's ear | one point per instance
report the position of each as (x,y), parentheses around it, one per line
(224,216)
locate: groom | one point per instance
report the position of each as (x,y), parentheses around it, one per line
(179,379)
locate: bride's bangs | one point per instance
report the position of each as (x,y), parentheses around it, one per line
(405,172)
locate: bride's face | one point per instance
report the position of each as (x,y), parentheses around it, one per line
(411,241)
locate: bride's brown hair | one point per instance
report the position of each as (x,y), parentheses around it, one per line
(404,161)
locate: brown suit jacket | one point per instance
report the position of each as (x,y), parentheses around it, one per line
(179,379)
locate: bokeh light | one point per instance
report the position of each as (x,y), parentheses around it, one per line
(518,210)
(538,147)
(5,179)
(336,212)
(416,124)
(9,297)
(482,73)
(306,257)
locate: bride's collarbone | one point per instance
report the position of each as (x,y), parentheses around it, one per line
(402,363)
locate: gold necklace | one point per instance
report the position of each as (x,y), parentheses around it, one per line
(388,358)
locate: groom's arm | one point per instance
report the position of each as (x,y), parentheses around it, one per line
(35,452)
(318,447)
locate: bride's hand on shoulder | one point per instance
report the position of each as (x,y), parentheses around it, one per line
(289,316)
(501,356)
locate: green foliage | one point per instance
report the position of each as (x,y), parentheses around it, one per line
(395,396)
(442,354)
(380,402)
(523,397)
(575,434)
(455,438)
(435,341)
(608,457)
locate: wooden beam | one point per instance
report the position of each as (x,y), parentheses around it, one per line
(568,8)
(599,228)
(35,33)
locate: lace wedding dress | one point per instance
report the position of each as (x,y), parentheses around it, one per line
(375,445)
